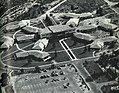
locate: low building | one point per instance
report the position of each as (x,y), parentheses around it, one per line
(41,44)
(25,38)
(36,53)
(57,29)
(86,15)
(109,39)
(45,33)
(99,43)
(24,23)
(92,21)
(84,36)
(73,21)
(12,26)
(107,26)
(103,22)
(30,29)
(7,42)
(87,29)
(74,15)
(21,54)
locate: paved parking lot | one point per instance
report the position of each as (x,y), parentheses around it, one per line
(51,83)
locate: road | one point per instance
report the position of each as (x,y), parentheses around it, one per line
(47,12)
(62,50)
(50,10)
(36,19)
(84,73)
(111,4)
(12,67)
(32,44)
(55,7)
(50,52)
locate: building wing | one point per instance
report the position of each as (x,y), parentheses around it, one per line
(30,29)
(25,37)
(84,36)
(41,44)
(7,42)
(35,53)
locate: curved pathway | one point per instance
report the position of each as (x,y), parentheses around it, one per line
(22,49)
(12,67)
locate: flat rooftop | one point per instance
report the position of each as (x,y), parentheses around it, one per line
(60,28)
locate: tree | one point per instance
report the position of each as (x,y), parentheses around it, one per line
(99,11)
(4,75)
(89,79)
(0,89)
(53,66)
(22,70)
(4,79)
(38,69)
(103,60)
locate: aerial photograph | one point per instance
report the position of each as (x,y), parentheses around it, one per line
(59,46)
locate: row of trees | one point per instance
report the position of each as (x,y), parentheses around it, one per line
(4,79)
(106,60)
